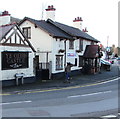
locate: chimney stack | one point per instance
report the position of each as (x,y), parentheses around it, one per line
(50,13)
(4,18)
(85,30)
(77,23)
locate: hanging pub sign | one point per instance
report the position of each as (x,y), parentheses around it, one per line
(14,60)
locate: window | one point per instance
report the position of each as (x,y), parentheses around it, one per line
(81,44)
(71,44)
(81,61)
(59,62)
(75,61)
(27,32)
(92,42)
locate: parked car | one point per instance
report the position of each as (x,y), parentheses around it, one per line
(113,58)
(118,58)
(110,60)
(105,65)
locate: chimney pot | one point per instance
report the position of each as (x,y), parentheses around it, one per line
(51,6)
(85,30)
(5,13)
(77,19)
(50,14)
(81,19)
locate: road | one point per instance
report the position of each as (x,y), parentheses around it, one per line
(95,100)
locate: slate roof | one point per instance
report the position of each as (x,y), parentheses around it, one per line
(49,28)
(13,19)
(75,32)
(5,29)
(60,30)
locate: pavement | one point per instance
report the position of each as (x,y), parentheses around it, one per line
(78,80)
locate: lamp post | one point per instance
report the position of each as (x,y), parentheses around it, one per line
(107,49)
(107,40)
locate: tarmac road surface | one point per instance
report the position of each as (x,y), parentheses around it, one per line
(95,100)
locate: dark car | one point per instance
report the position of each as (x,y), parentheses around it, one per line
(105,65)
(118,58)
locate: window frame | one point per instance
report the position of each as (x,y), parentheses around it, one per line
(76,61)
(71,44)
(28,32)
(81,61)
(59,62)
(92,42)
(81,44)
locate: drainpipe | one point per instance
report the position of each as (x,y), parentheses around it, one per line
(65,53)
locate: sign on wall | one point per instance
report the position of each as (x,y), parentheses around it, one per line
(14,60)
(71,54)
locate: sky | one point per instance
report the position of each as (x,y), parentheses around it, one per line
(99,16)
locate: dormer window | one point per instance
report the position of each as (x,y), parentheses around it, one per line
(27,32)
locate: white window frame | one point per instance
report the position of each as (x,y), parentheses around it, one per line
(59,62)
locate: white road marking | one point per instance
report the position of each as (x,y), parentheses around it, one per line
(89,94)
(108,116)
(110,80)
(15,102)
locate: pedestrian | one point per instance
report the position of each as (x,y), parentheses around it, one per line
(86,68)
(99,70)
(68,71)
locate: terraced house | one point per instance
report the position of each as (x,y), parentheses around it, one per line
(56,43)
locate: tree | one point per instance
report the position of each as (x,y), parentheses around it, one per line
(118,51)
(113,49)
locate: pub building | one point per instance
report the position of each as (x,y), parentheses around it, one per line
(16,57)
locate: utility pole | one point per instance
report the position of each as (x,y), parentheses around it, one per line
(108,49)
(42,14)
(65,53)
(107,40)
(44,4)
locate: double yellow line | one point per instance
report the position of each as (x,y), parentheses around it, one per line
(66,88)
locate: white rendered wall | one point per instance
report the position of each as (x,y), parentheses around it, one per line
(9,74)
(41,40)
(4,20)
(57,44)
(78,24)
(50,15)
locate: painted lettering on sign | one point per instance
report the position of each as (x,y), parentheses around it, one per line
(14,60)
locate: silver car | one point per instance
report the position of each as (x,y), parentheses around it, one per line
(105,65)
